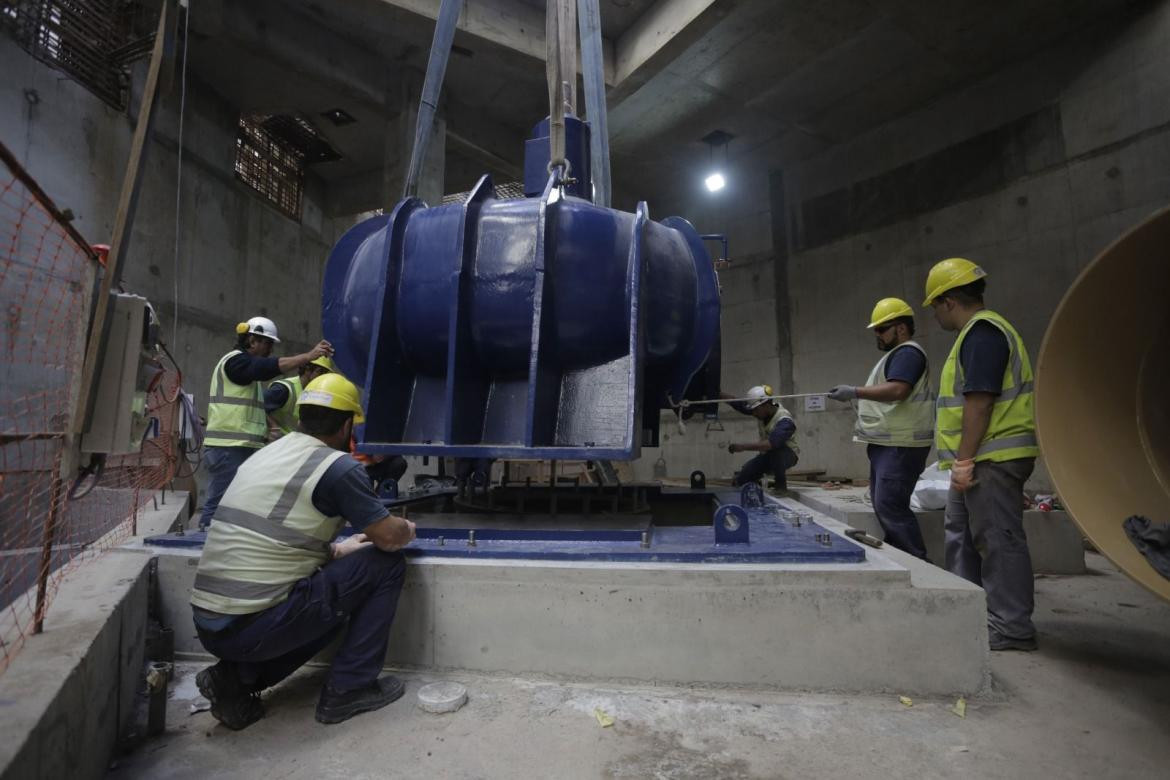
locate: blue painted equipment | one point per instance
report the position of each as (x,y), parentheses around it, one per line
(777,535)
(546,327)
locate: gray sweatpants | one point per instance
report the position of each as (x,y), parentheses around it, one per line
(985,543)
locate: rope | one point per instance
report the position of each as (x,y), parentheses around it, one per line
(683,404)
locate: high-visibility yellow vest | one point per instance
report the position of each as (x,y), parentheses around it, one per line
(266,534)
(907,423)
(767,428)
(1012,431)
(286,416)
(235,413)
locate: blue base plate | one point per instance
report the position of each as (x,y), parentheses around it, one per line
(772,540)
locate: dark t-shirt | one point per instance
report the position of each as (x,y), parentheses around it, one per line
(905,364)
(275,396)
(244,369)
(344,489)
(984,358)
(781,433)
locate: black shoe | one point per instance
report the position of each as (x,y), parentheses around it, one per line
(1000,642)
(231,705)
(334,706)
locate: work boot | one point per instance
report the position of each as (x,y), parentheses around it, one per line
(998,641)
(336,706)
(231,705)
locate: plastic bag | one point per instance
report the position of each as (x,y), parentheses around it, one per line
(931,490)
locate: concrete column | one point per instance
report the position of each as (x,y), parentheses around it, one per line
(779,206)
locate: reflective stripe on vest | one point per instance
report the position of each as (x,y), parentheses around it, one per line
(286,416)
(1011,433)
(266,534)
(235,413)
(907,423)
(767,428)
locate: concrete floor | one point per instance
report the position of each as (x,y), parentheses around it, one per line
(1094,702)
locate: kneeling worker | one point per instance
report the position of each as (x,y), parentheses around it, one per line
(777,445)
(986,436)
(895,419)
(272,590)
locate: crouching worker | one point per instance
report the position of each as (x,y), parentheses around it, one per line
(273,588)
(777,445)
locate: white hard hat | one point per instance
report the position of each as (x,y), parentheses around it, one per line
(262,326)
(759,394)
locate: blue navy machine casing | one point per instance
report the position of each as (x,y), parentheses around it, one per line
(534,328)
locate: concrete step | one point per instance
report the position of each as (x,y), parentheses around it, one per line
(1054,541)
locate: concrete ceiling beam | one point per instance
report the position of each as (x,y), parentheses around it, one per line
(301,50)
(474,151)
(512,24)
(322,57)
(660,36)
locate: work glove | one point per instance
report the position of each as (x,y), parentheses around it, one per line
(352,544)
(843,393)
(733,448)
(963,475)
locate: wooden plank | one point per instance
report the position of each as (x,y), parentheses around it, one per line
(123,222)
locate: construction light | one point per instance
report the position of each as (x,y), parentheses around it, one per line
(715,182)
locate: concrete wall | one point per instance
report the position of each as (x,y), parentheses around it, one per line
(1030,171)
(238,257)
(1035,169)
(72,691)
(750,344)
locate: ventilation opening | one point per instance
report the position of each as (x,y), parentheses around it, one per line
(272,151)
(91,41)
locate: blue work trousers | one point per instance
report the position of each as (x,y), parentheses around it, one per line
(357,594)
(893,472)
(775,461)
(222,464)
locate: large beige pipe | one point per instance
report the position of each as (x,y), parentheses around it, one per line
(1103,395)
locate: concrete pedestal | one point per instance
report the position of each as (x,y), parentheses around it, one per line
(892,623)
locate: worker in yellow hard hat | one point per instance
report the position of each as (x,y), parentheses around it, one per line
(237,421)
(895,420)
(986,436)
(776,446)
(275,583)
(280,399)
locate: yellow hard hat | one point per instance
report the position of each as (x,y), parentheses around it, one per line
(889,309)
(949,274)
(333,391)
(325,362)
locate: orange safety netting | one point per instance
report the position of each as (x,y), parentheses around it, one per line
(52,516)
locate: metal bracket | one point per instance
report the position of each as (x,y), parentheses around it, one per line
(731,525)
(698,480)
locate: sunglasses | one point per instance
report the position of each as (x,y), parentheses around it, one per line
(881,329)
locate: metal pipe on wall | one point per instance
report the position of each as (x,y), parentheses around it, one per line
(1102,385)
